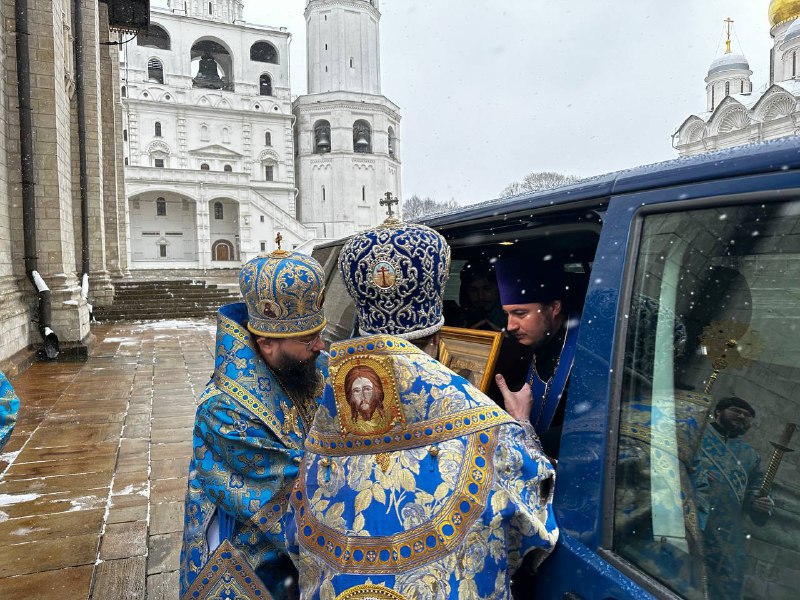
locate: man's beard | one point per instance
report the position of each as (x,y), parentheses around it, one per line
(298,377)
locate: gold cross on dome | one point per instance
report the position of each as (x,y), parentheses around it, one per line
(278,240)
(388,202)
(729,21)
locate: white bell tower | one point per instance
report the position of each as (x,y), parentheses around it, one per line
(343,46)
(348,150)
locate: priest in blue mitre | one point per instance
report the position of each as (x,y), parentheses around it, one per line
(250,427)
(415,485)
(535,298)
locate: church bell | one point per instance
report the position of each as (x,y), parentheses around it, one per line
(362,143)
(323,141)
(207,76)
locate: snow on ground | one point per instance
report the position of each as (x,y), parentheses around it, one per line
(9,499)
(86,503)
(183,324)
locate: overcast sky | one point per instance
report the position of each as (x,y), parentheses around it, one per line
(490,91)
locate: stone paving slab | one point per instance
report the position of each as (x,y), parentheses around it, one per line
(92,481)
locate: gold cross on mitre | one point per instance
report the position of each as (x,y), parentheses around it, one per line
(278,252)
(388,202)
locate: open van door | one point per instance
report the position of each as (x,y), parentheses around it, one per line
(694,297)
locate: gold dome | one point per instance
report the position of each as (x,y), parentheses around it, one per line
(783,10)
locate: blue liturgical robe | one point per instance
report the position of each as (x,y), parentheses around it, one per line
(727,476)
(248,443)
(9,407)
(415,485)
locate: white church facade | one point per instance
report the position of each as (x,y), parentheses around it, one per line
(220,157)
(734,114)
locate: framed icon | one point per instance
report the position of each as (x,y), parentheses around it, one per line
(471,353)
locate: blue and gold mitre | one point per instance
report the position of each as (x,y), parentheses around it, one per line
(396,274)
(284,292)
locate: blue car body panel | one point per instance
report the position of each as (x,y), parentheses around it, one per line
(579,567)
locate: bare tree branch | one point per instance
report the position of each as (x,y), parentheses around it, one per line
(536,182)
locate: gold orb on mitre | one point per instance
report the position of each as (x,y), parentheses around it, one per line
(781,11)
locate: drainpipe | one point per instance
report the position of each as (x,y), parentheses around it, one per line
(77,21)
(49,338)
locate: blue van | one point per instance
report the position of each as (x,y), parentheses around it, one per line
(676,476)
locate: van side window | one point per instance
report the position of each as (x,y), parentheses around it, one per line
(707,490)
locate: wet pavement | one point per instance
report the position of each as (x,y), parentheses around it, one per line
(93,478)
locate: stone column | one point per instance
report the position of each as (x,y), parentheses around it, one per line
(14,310)
(52,83)
(245,230)
(101,291)
(203,231)
(113,162)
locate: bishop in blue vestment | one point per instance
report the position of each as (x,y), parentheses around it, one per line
(415,485)
(253,418)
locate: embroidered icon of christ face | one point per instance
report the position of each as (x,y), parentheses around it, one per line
(364,393)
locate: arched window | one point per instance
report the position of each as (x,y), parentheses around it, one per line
(362,137)
(126,161)
(124,135)
(219,214)
(155,70)
(211,8)
(204,167)
(227,168)
(269,173)
(204,133)
(727,88)
(161,207)
(157,129)
(794,63)
(155,37)
(364,194)
(226,135)
(391,142)
(124,92)
(323,193)
(268,139)
(212,66)
(265,85)
(264,52)
(322,137)
(713,93)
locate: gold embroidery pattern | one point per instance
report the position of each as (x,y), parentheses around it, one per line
(227,575)
(271,512)
(414,547)
(414,435)
(254,405)
(368,591)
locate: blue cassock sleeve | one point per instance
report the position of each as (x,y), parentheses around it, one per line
(9,407)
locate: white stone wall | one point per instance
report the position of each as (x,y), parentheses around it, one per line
(353,182)
(235,134)
(175,230)
(343,46)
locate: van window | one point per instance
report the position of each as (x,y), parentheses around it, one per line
(710,375)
